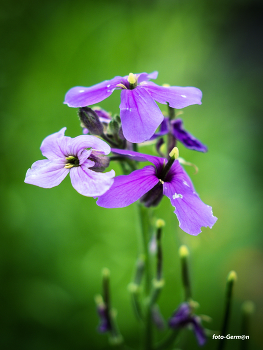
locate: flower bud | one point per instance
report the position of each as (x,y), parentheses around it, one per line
(90,120)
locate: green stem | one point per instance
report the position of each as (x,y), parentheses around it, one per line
(168,341)
(145,233)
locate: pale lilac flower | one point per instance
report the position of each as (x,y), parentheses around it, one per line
(139,112)
(183,317)
(149,185)
(175,128)
(83,157)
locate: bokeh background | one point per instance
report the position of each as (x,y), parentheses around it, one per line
(54,243)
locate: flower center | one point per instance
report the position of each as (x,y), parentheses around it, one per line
(72,161)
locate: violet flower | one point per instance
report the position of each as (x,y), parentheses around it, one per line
(175,128)
(150,185)
(183,317)
(139,112)
(66,155)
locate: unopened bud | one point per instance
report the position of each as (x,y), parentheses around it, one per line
(174,153)
(232,276)
(90,120)
(160,223)
(248,307)
(183,251)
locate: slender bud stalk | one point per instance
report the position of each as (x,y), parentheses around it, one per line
(231,279)
(247,310)
(184,253)
(115,336)
(159,225)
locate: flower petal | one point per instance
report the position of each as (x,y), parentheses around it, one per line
(176,96)
(90,183)
(164,128)
(188,140)
(145,76)
(50,146)
(191,212)
(77,144)
(199,331)
(45,173)
(181,316)
(85,96)
(129,188)
(139,114)
(141,157)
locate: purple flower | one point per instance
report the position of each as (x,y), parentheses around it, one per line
(183,317)
(175,128)
(148,183)
(139,112)
(104,325)
(83,157)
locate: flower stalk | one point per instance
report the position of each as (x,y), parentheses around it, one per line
(231,279)
(184,254)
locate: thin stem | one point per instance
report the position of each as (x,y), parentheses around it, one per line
(145,232)
(168,341)
(228,301)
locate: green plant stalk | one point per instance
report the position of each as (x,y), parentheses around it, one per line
(145,234)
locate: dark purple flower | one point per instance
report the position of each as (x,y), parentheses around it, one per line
(104,325)
(183,317)
(139,112)
(191,212)
(175,128)
(83,157)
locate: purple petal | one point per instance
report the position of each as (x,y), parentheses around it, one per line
(103,115)
(129,188)
(47,174)
(139,114)
(50,146)
(77,144)
(188,140)
(145,76)
(177,96)
(140,157)
(199,331)
(90,183)
(181,316)
(85,96)
(191,212)
(164,128)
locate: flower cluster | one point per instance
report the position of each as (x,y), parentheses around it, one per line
(85,156)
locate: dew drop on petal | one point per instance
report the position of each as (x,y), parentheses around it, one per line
(108,85)
(81,90)
(177,195)
(183,96)
(185,183)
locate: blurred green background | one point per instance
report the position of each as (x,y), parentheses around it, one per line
(55,242)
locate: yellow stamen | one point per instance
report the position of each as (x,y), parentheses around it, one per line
(132,78)
(70,157)
(121,86)
(161,181)
(68,166)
